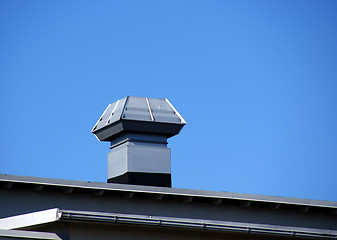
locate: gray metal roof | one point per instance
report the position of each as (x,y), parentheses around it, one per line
(140,111)
(215,197)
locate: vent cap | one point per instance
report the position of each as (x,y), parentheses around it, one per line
(138,114)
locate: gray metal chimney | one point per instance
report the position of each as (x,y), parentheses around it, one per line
(138,129)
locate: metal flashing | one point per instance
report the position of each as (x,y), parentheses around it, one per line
(124,107)
(150,111)
(176,112)
(100,119)
(112,112)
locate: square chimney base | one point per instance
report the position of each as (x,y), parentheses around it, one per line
(140,163)
(140,178)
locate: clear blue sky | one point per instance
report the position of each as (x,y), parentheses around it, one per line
(256,82)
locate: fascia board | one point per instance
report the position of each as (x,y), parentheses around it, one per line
(30,219)
(20,234)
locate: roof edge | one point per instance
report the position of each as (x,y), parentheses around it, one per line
(21,234)
(30,219)
(187,223)
(11,179)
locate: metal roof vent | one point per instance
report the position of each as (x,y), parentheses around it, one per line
(138,129)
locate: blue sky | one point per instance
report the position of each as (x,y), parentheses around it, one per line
(256,82)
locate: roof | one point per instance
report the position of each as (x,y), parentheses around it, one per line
(108,203)
(186,195)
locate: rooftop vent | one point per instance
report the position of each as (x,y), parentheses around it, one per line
(138,129)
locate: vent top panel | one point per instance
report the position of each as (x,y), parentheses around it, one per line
(140,109)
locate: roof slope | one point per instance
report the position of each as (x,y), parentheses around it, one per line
(172,192)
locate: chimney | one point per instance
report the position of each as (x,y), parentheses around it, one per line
(138,129)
